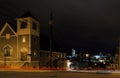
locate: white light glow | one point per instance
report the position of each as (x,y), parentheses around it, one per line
(96,56)
(68,64)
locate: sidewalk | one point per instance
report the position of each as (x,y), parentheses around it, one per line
(30,70)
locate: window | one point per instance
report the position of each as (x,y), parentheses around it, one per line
(7,36)
(35,53)
(23,25)
(34,26)
(35,41)
(7,51)
(23,39)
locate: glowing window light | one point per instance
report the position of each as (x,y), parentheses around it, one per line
(24,39)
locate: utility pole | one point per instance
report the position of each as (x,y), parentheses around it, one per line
(51,37)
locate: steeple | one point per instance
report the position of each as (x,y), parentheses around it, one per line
(28,37)
(27,24)
(27,14)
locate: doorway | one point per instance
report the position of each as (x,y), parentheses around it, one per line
(23,56)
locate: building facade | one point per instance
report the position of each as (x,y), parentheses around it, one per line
(57,59)
(20,47)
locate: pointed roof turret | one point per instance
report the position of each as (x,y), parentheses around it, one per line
(27,14)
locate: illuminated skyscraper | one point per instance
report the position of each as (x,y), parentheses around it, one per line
(73,52)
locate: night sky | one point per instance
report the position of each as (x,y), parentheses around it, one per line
(86,25)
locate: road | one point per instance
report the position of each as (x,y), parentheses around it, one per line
(8,74)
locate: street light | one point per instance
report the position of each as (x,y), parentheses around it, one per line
(86,55)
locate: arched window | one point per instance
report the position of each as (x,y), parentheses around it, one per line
(24,39)
(7,51)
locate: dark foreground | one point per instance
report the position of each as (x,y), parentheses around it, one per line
(8,74)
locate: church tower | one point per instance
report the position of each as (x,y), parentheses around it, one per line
(28,33)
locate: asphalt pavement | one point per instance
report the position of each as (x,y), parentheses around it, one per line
(54,74)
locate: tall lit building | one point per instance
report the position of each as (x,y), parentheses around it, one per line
(73,52)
